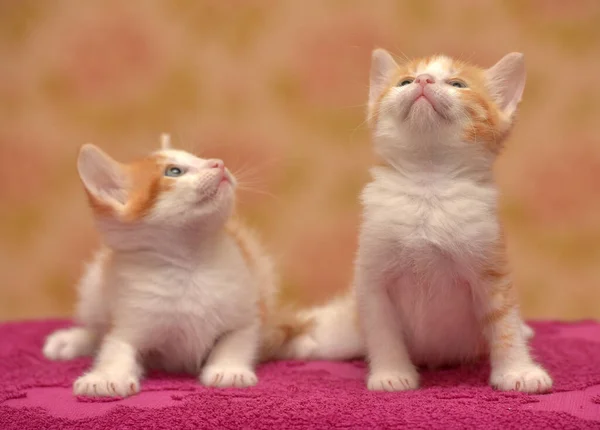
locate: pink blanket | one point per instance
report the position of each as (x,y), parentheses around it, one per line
(36,393)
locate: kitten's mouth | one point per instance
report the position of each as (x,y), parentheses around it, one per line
(223,183)
(227,175)
(424,98)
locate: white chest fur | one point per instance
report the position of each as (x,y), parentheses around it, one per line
(456,216)
(177,311)
(430,234)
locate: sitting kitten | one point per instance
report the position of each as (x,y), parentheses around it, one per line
(178,285)
(432,284)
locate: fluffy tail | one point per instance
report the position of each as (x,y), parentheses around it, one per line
(279,329)
(328,332)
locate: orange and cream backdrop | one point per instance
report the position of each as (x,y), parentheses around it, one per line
(277,88)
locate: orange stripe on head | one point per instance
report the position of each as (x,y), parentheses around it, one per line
(146,182)
(100,207)
(483,127)
(490,119)
(123,191)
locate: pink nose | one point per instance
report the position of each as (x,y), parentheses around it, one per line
(424,79)
(216,164)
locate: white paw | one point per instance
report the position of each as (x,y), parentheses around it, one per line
(221,376)
(99,384)
(527,379)
(397,380)
(67,344)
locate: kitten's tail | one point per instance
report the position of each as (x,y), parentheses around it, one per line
(281,328)
(327,332)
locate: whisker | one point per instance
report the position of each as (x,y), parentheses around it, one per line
(362,105)
(402,55)
(251,169)
(255,191)
(370,117)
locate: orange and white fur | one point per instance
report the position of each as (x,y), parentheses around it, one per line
(178,285)
(432,286)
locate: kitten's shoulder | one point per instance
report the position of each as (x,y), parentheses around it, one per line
(246,240)
(384,185)
(103,258)
(257,259)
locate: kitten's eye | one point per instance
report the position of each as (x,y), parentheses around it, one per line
(174,171)
(458,84)
(406,81)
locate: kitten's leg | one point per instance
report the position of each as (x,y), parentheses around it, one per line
(92,315)
(389,362)
(116,371)
(512,365)
(231,361)
(70,343)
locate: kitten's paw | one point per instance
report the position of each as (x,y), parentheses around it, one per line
(97,384)
(527,379)
(68,344)
(395,380)
(223,377)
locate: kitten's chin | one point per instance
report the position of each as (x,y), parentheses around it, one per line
(425,112)
(224,189)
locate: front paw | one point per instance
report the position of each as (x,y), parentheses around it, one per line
(530,378)
(67,344)
(98,384)
(393,380)
(224,376)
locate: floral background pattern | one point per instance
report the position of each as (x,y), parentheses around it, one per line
(277,89)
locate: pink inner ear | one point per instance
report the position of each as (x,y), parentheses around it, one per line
(101,175)
(506,81)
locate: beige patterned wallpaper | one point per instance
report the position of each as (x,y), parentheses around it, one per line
(277,89)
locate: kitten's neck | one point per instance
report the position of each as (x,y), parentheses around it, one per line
(443,156)
(179,245)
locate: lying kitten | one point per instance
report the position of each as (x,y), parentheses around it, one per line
(432,285)
(178,284)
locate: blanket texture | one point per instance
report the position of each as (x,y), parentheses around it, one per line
(36,393)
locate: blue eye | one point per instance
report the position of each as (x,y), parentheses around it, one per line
(458,84)
(406,82)
(174,171)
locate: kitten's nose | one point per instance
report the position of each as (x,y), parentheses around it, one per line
(216,164)
(424,79)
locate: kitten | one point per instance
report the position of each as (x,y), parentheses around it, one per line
(431,283)
(179,285)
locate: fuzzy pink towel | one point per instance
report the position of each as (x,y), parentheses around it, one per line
(36,393)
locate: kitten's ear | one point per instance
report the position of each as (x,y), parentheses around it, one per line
(383,68)
(506,81)
(165,141)
(103,177)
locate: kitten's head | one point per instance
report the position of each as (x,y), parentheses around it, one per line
(445,100)
(168,188)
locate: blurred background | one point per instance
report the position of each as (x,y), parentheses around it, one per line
(277,89)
